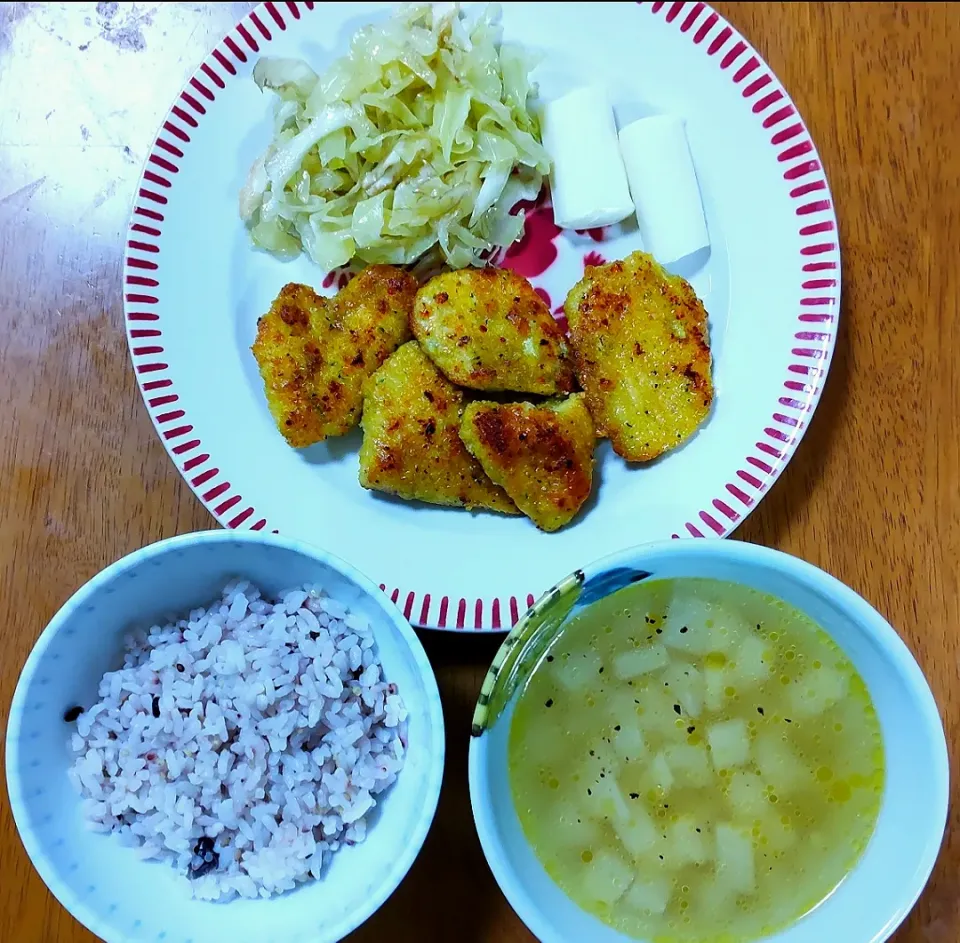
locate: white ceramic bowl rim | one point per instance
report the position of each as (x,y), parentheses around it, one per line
(32,844)
(655,555)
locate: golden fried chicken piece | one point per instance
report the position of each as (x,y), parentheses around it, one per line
(411,437)
(541,455)
(642,355)
(315,353)
(487,329)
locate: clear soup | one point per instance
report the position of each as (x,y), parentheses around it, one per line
(695,761)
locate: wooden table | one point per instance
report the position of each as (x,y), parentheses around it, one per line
(872,495)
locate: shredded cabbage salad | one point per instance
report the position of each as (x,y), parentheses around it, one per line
(418,143)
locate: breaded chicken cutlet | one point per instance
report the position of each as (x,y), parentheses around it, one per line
(315,353)
(642,356)
(541,455)
(411,437)
(487,329)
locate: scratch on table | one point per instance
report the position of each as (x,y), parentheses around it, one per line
(23,194)
(104,195)
(186,45)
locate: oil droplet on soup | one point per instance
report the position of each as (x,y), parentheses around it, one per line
(709,768)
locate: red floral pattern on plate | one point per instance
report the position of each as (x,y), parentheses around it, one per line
(542,292)
(534,252)
(597,234)
(340,276)
(593,258)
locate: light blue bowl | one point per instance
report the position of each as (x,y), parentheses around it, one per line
(104,885)
(876,896)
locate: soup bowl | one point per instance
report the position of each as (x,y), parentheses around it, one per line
(876,895)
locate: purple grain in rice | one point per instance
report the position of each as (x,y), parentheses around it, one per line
(243,744)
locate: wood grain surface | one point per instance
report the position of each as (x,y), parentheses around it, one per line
(872,495)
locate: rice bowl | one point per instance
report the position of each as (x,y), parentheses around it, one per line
(106,884)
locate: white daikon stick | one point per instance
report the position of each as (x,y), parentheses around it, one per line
(663,184)
(588,181)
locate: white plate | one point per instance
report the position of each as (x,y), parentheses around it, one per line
(195,287)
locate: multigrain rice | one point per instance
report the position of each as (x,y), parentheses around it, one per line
(243,744)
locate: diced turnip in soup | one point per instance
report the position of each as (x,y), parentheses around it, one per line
(715,683)
(574,828)
(752,662)
(697,627)
(598,773)
(619,705)
(628,743)
(729,744)
(690,764)
(713,897)
(779,766)
(684,684)
(649,896)
(747,795)
(816,690)
(735,866)
(578,672)
(656,714)
(686,843)
(635,829)
(658,776)
(606,877)
(606,802)
(641,661)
